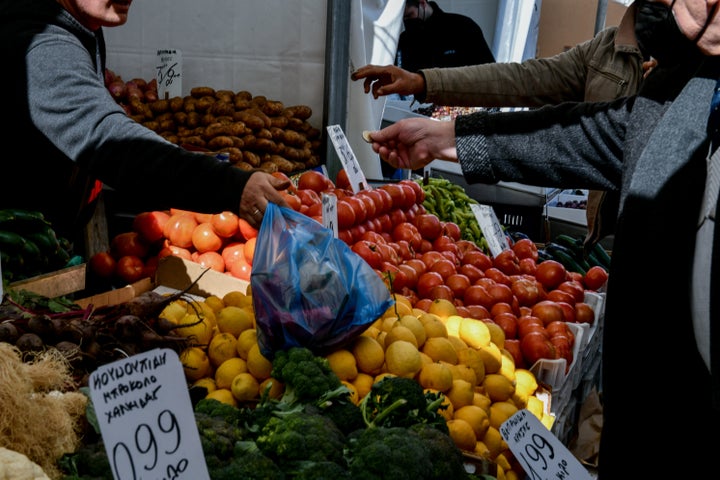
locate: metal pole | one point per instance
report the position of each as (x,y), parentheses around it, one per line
(601,15)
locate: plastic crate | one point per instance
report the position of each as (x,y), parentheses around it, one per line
(526,219)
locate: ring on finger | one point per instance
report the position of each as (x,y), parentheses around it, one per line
(257,212)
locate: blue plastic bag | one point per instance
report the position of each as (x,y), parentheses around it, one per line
(309,288)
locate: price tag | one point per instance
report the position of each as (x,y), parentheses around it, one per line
(490,227)
(541,454)
(347,158)
(146,418)
(329,212)
(169,73)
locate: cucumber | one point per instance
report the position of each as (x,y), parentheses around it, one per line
(602,255)
(22,221)
(566,257)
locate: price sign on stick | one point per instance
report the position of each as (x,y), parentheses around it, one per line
(146,418)
(329,213)
(491,228)
(169,73)
(347,158)
(541,454)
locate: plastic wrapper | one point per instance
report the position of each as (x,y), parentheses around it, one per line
(309,288)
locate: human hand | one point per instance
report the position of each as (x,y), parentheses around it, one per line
(412,143)
(389,79)
(260,189)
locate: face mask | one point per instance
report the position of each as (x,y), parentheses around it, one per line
(658,34)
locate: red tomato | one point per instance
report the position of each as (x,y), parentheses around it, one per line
(404,250)
(409,196)
(282,176)
(431,257)
(528,323)
(501,307)
(308,197)
(452,230)
(442,291)
(130,268)
(411,275)
(419,192)
(179,229)
(417,265)
(314,180)
(397,195)
(526,291)
(472,272)
(292,200)
(528,266)
(150,225)
(129,243)
(584,313)
(170,249)
(550,273)
(548,311)
(397,216)
(574,288)
(358,207)
(423,304)
(345,214)
(342,180)
(225,224)
(249,250)
(408,232)
(500,293)
(102,264)
(512,345)
(426,282)
(241,269)
(525,248)
(212,260)
(558,295)
(477,258)
(377,198)
(204,238)
(478,295)
(444,267)
(595,277)
(232,252)
(151,266)
(559,328)
(535,346)
(508,322)
(478,312)
(370,205)
(245,230)
(507,262)
(428,224)
(458,283)
(563,349)
(369,252)
(497,275)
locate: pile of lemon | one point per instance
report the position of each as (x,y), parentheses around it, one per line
(461,357)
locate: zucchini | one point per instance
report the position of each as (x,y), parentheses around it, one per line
(566,257)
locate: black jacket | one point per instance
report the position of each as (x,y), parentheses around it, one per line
(443,40)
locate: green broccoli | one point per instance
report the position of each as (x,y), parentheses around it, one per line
(301,436)
(216,408)
(88,462)
(306,377)
(217,436)
(395,453)
(343,412)
(447,458)
(247,463)
(321,471)
(401,402)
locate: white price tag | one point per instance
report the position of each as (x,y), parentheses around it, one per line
(169,73)
(541,454)
(329,213)
(490,227)
(347,158)
(146,417)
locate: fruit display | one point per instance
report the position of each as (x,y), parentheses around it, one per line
(251,131)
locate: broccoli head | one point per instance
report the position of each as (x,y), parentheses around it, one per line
(401,402)
(301,436)
(447,458)
(216,408)
(395,453)
(306,377)
(247,463)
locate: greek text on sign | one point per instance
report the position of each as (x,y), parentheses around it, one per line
(168,73)
(349,162)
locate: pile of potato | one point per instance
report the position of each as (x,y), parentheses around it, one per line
(253,131)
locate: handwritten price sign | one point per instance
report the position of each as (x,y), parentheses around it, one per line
(169,73)
(146,418)
(540,452)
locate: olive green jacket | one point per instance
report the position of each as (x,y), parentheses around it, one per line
(606,67)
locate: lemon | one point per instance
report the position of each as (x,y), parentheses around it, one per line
(257,364)
(461,393)
(207,383)
(481,450)
(440,349)
(498,387)
(482,400)
(247,339)
(363,383)
(436,376)
(228,370)
(507,367)
(223,395)
(415,326)
(400,332)
(474,332)
(244,387)
(174,311)
(452,324)
(497,334)
(525,381)
(492,357)
(457,342)
(273,386)
(403,359)
(235,320)
(198,331)
(222,346)
(354,395)
(442,307)
(464,372)
(462,434)
(369,354)
(471,358)
(236,299)
(476,417)
(195,362)
(494,441)
(502,461)
(535,406)
(215,302)
(501,411)
(433,326)
(343,363)
(547,420)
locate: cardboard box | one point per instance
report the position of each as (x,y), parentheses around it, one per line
(54,284)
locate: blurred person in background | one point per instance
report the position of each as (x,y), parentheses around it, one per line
(435,38)
(609,66)
(75,135)
(658,149)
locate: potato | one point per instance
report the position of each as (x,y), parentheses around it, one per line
(303,112)
(251,158)
(199,92)
(244,166)
(269,167)
(220,142)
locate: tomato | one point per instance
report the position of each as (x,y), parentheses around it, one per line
(426,282)
(397,216)
(233,252)
(508,321)
(558,295)
(369,252)
(102,264)
(241,269)
(225,224)
(179,229)
(584,313)
(358,207)
(372,236)
(417,188)
(478,312)
(345,214)
(204,238)
(411,275)
(525,248)
(292,200)
(497,275)
(452,230)
(282,176)
(477,258)
(129,243)
(212,260)
(308,197)
(386,199)
(423,304)
(550,273)
(528,323)
(442,291)
(170,249)
(512,345)
(389,254)
(563,349)
(342,180)
(428,224)
(245,230)
(444,267)
(150,225)
(417,264)
(548,311)
(346,236)
(526,291)
(478,295)
(472,272)
(528,266)
(458,283)
(535,346)
(444,243)
(409,197)
(408,232)
(249,250)
(507,262)
(500,293)
(130,268)
(574,288)
(559,328)
(431,257)
(397,195)
(595,278)
(314,180)
(501,307)
(370,205)
(151,266)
